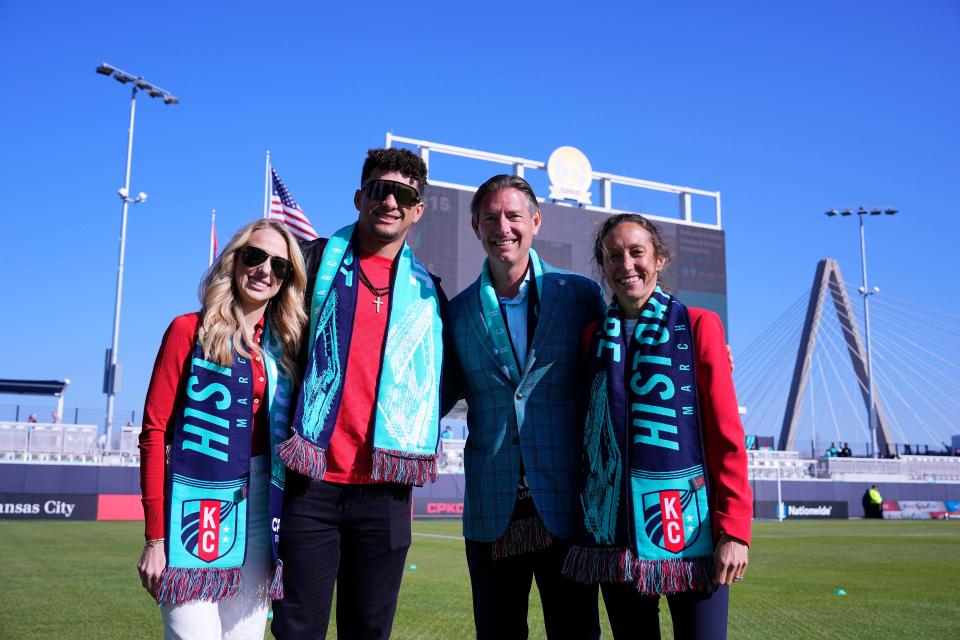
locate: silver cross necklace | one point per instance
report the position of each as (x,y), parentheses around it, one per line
(377,291)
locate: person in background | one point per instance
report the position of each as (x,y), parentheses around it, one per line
(876,502)
(218,398)
(666,506)
(447,433)
(845,451)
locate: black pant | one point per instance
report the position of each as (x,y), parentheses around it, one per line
(356,536)
(696,615)
(501,590)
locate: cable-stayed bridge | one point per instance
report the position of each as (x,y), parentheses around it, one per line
(803,380)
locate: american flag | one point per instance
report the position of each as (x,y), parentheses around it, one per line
(285,210)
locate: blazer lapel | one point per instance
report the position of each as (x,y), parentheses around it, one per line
(553,284)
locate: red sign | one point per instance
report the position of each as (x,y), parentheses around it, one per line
(119,507)
(672,517)
(209,534)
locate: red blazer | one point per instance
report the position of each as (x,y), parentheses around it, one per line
(731,500)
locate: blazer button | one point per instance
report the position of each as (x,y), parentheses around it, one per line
(516,439)
(519,396)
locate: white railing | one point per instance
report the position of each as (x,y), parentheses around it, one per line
(910,468)
(451,455)
(606,181)
(42,442)
(766,464)
(50,442)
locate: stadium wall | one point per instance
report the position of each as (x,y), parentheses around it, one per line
(89,492)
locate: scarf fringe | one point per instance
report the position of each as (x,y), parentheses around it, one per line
(591,565)
(303,456)
(179,585)
(276,585)
(403,468)
(522,536)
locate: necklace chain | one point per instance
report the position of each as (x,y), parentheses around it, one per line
(377,291)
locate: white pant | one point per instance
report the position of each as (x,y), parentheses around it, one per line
(244,616)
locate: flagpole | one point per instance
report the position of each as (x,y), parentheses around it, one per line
(213,234)
(266,187)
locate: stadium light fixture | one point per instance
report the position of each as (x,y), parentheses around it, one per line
(866,292)
(111,372)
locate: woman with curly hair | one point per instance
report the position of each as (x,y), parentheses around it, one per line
(217,406)
(665,499)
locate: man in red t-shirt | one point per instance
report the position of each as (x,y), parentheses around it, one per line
(346,529)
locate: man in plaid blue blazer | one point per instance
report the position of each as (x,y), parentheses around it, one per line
(516,359)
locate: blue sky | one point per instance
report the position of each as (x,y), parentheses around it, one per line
(788,109)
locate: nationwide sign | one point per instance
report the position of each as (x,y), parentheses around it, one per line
(804,509)
(47,506)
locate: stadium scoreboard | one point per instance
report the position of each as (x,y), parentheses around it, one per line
(444,241)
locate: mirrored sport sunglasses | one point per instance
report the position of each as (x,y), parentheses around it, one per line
(255,256)
(405,195)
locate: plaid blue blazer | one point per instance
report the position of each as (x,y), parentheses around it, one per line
(538,421)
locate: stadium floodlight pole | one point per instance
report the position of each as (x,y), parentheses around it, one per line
(110,377)
(866,292)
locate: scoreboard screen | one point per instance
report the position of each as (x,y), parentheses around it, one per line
(445,243)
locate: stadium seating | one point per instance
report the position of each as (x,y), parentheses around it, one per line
(451,456)
(903,469)
(765,464)
(43,442)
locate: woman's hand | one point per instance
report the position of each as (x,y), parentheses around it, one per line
(153,561)
(730,557)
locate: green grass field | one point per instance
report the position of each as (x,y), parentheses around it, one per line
(76,580)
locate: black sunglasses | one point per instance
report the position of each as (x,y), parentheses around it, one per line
(405,195)
(255,256)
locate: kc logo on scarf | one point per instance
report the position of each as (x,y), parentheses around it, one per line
(672,518)
(207,528)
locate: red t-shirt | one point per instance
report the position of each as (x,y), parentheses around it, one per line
(169,379)
(350,452)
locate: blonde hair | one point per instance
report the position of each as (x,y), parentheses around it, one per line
(221,316)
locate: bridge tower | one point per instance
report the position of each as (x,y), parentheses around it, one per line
(829,278)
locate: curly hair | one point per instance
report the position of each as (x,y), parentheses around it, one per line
(221,316)
(405,162)
(660,250)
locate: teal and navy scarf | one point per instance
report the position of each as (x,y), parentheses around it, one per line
(526,532)
(407,419)
(493,316)
(209,474)
(644,499)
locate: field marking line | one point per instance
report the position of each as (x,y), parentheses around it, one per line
(437,535)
